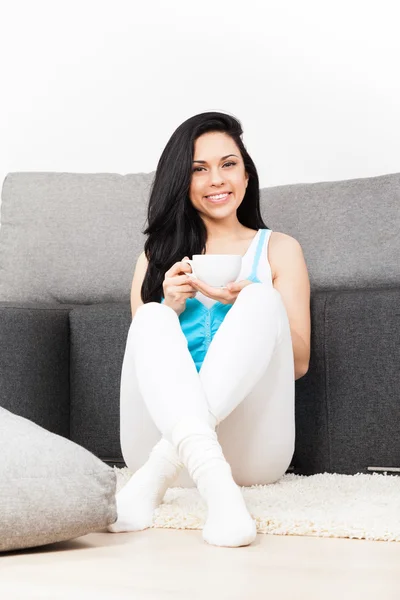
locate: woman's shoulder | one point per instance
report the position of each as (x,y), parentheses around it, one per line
(277,237)
(142,259)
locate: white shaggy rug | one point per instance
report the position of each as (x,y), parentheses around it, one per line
(323,505)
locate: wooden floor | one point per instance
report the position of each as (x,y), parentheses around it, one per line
(160,563)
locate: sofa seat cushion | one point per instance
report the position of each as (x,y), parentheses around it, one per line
(51,489)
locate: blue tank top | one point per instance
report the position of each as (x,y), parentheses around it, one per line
(200,324)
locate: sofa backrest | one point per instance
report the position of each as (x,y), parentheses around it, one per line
(75,238)
(349,230)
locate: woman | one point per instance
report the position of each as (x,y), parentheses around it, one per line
(201,360)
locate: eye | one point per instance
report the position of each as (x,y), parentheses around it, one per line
(231,162)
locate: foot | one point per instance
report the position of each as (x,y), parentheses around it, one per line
(143,493)
(228,522)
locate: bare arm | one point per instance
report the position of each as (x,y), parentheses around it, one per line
(138,277)
(293,283)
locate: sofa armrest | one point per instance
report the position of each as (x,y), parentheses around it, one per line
(34,363)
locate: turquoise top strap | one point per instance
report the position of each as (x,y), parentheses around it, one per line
(258,252)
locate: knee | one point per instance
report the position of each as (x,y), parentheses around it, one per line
(148,307)
(154,309)
(261,291)
(264,300)
(153,312)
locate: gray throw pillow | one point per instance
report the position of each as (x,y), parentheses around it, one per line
(51,489)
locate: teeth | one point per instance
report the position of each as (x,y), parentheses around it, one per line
(218,197)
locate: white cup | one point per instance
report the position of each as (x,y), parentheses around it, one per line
(216,270)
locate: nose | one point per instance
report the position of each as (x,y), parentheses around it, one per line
(216,177)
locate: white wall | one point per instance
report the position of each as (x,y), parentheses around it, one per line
(93,86)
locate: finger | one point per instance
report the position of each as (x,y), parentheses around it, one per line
(180,289)
(185,267)
(178,268)
(208,290)
(187,294)
(236,286)
(178,279)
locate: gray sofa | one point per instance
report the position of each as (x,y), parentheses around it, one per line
(68,247)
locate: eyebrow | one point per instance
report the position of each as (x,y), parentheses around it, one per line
(223,158)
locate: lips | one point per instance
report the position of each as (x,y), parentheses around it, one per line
(218,200)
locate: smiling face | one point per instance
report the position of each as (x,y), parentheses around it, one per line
(217,167)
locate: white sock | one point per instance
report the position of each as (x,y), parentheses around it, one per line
(228,521)
(137,500)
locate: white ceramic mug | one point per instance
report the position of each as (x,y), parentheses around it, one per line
(216,270)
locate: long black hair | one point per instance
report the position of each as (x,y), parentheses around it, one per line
(175,228)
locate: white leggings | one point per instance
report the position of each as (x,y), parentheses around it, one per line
(246,381)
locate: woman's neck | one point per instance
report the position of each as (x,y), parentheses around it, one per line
(228,232)
(234,244)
